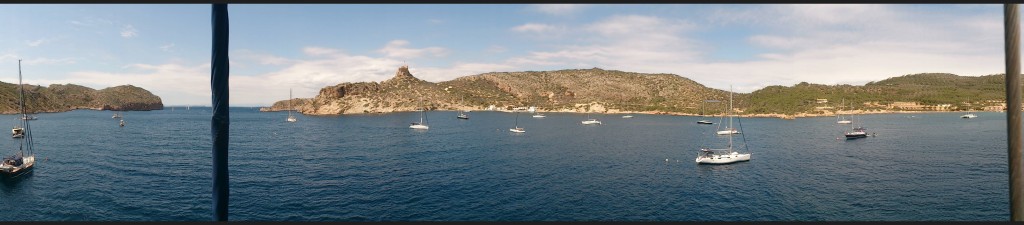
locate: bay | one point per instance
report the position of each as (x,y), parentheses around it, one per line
(928,166)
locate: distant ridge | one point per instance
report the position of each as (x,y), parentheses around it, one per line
(67,97)
(612,91)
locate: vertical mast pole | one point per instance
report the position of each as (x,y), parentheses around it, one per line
(221,117)
(1013,110)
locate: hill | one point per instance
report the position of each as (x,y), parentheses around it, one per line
(66,97)
(611,91)
(586,90)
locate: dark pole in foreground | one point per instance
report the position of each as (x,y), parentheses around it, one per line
(219,124)
(1013,109)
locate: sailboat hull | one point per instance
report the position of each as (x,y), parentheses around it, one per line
(844,122)
(723,159)
(12,170)
(419,126)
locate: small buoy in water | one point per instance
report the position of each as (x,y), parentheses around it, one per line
(666,160)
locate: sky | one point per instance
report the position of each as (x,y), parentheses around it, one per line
(166,48)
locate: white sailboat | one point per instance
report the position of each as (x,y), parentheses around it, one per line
(539,115)
(627,116)
(970,112)
(722,156)
(422,124)
(839,116)
(590,121)
(423,120)
(24,159)
(729,130)
(291,118)
(116,115)
(517,129)
(462,113)
(702,103)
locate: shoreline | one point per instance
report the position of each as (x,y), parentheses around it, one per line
(613,112)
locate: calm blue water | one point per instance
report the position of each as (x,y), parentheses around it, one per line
(932,166)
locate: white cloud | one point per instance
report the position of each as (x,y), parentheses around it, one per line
(267,59)
(496,49)
(8,56)
(631,24)
(128,31)
(90,21)
(36,43)
(534,27)
(558,9)
(623,42)
(459,69)
(49,61)
(397,49)
(167,47)
(319,51)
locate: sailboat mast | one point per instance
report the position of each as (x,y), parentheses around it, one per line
(289,102)
(839,114)
(21,89)
(24,122)
(730,118)
(517,119)
(851,116)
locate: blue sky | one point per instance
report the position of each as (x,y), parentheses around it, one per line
(274,47)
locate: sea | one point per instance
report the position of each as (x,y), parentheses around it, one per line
(916,167)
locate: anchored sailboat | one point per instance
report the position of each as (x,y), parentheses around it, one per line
(856,131)
(839,116)
(970,112)
(291,118)
(517,129)
(730,130)
(590,121)
(462,113)
(423,120)
(24,159)
(702,103)
(722,156)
